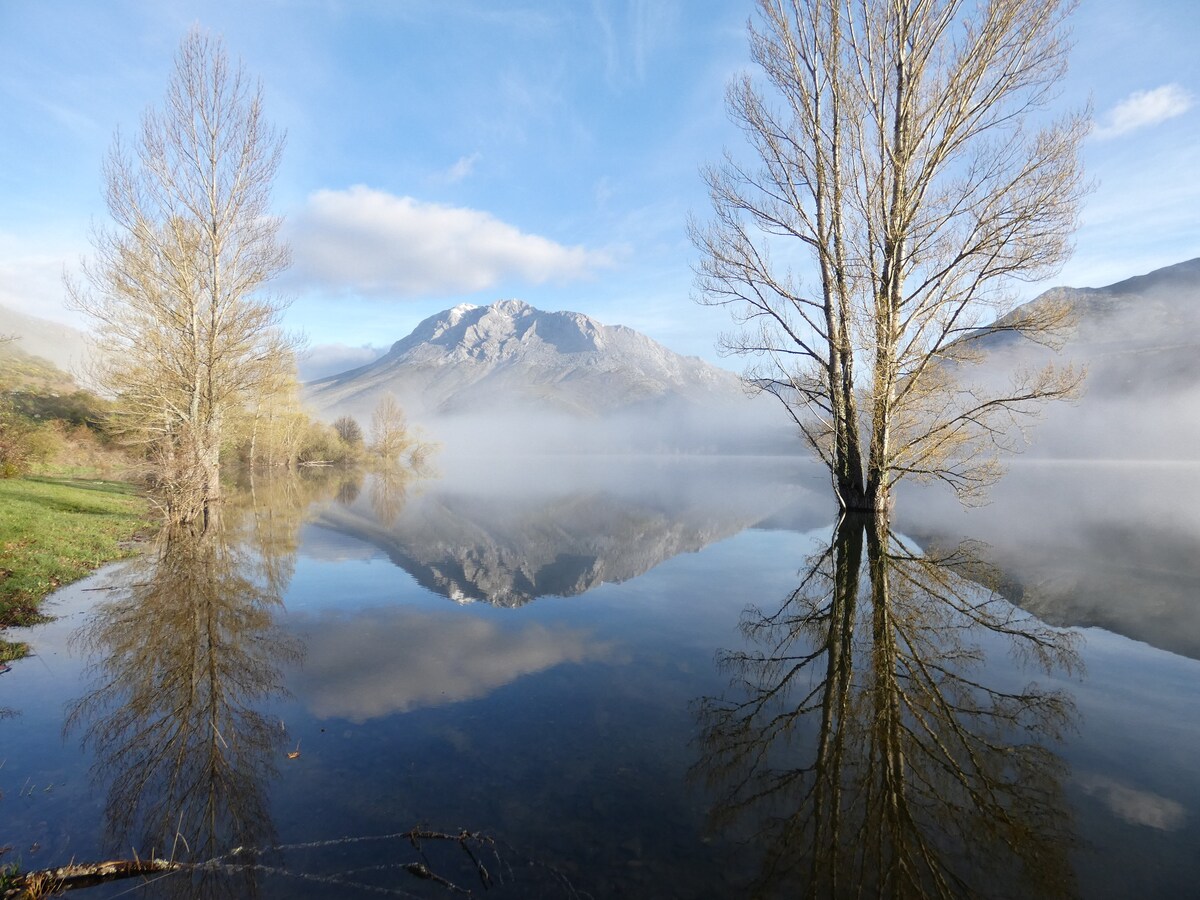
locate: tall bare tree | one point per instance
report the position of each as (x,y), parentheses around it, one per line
(902,152)
(176,285)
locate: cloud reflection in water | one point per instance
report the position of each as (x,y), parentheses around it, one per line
(385,661)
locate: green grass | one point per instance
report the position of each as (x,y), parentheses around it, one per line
(54,531)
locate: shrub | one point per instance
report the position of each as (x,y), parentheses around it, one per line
(19,446)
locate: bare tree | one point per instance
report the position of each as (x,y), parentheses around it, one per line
(894,151)
(390,436)
(269,429)
(175,289)
(348,430)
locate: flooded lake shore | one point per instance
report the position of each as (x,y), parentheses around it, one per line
(673,679)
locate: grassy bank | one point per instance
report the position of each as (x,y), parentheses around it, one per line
(54,531)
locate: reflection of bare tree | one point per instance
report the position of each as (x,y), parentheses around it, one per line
(871,753)
(181,657)
(350,487)
(389,492)
(269,516)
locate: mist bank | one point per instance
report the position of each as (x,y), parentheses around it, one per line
(745,427)
(1137,344)
(1107,544)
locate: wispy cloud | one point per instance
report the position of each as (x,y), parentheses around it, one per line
(464,167)
(1142,109)
(374,242)
(629,44)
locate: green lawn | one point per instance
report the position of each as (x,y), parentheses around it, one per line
(54,531)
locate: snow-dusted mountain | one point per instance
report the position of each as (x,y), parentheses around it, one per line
(471,357)
(513,361)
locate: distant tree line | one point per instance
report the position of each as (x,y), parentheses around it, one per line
(277,432)
(50,425)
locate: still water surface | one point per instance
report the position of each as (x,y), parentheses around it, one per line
(667,679)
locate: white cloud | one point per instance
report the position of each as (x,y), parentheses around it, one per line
(374,242)
(1141,109)
(332,359)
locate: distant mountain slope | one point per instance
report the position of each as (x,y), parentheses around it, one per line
(510,378)
(1136,335)
(1142,335)
(22,371)
(1139,342)
(63,346)
(470,359)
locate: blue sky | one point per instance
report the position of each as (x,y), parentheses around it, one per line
(443,152)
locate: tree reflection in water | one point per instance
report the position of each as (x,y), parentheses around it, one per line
(389,492)
(870,749)
(182,657)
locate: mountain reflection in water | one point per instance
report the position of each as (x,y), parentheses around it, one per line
(867,747)
(534,538)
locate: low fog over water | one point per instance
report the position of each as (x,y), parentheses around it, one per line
(1086,543)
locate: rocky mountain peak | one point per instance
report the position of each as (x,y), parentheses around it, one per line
(510,359)
(505,330)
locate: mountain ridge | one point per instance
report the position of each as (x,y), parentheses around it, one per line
(471,358)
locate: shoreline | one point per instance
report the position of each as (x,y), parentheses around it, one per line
(55,531)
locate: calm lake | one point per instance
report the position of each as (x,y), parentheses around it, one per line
(639,678)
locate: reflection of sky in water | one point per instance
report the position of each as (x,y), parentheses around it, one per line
(567,725)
